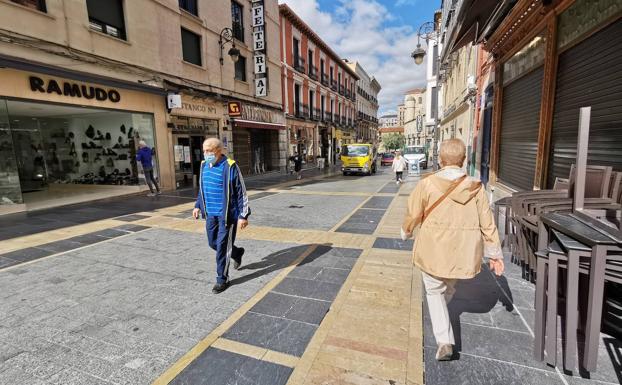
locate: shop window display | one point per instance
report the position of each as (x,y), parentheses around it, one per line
(66,145)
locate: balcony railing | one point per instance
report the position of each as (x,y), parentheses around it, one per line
(313,72)
(333,85)
(315,114)
(328,117)
(238,31)
(342,89)
(325,79)
(350,122)
(302,111)
(299,64)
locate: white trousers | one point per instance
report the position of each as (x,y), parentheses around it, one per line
(439,292)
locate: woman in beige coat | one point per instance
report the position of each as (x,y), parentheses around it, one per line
(456,229)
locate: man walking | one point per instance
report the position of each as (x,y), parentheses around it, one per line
(144,156)
(297,159)
(223,202)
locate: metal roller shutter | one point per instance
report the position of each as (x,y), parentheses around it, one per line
(589,75)
(520,122)
(242,149)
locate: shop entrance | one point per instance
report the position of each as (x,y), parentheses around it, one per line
(188,156)
(62,154)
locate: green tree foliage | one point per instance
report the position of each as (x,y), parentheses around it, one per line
(394,141)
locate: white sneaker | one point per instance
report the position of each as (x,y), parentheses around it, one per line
(397,182)
(401,181)
(151,195)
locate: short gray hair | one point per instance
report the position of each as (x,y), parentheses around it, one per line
(213,142)
(142,143)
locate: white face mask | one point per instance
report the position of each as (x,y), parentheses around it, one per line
(210,157)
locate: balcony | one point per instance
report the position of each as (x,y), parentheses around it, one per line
(313,72)
(299,64)
(350,122)
(328,117)
(315,114)
(325,81)
(342,89)
(333,85)
(302,111)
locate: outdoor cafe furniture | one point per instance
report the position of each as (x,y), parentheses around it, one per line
(580,244)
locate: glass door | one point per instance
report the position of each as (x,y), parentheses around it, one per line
(29,153)
(10,189)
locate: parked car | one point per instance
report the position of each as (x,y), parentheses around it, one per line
(387,159)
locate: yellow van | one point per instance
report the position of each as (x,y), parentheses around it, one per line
(358,158)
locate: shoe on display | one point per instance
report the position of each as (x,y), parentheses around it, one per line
(108,137)
(122,157)
(117,145)
(127,171)
(130,132)
(120,140)
(110,152)
(97,158)
(123,128)
(109,162)
(84,146)
(90,132)
(85,157)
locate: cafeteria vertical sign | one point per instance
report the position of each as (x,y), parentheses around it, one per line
(259,49)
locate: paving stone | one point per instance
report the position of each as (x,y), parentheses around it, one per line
(215,366)
(6,262)
(378,203)
(131,228)
(393,244)
(475,370)
(306,272)
(309,289)
(87,239)
(308,310)
(274,304)
(61,246)
(131,218)
(25,255)
(336,276)
(110,233)
(279,334)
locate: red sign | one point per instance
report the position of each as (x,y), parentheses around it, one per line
(235,108)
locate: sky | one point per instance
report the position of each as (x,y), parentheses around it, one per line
(380,34)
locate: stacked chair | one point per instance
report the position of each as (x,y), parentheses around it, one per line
(590,245)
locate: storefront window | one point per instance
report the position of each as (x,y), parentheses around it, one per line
(59,149)
(525,60)
(10,191)
(582,16)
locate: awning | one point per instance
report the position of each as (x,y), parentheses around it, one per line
(260,125)
(471,19)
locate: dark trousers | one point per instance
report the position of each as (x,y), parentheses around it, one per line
(221,237)
(398,175)
(151,182)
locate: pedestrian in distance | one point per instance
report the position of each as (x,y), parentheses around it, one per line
(223,202)
(297,159)
(399,165)
(456,229)
(145,157)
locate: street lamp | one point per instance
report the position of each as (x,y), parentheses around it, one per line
(426,30)
(226,36)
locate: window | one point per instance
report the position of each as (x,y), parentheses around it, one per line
(434,103)
(331,73)
(420,101)
(297,99)
(189,6)
(240,69)
(39,5)
(311,101)
(191,47)
(107,17)
(238,21)
(322,66)
(435,60)
(323,104)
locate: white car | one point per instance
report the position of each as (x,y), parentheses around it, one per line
(417,158)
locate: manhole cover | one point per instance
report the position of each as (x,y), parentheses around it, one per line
(295,207)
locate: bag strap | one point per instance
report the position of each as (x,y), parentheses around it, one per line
(451,188)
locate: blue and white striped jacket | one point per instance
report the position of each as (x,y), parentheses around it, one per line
(235,200)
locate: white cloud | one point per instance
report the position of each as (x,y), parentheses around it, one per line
(357,31)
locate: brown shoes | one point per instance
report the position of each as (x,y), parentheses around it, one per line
(444,352)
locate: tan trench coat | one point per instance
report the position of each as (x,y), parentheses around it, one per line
(458,232)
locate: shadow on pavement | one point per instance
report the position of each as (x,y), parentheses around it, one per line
(478,295)
(279,260)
